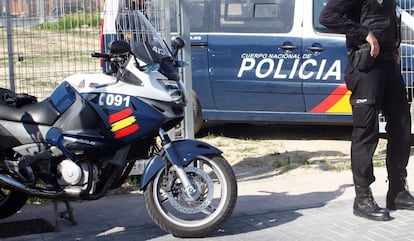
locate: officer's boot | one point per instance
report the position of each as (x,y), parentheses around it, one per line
(366,207)
(398,196)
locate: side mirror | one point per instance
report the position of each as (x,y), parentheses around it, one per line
(119,47)
(178,43)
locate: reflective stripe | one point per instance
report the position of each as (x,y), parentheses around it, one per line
(123,123)
(336,102)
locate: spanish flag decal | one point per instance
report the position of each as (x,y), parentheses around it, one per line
(123,123)
(336,102)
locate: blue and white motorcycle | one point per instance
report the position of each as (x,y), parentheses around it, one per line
(83,140)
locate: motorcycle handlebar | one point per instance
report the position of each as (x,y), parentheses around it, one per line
(100,55)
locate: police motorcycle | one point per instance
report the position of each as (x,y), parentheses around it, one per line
(83,140)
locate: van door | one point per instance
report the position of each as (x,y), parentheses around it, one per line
(254,52)
(199,14)
(324,60)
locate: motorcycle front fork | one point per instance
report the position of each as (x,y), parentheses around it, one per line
(176,162)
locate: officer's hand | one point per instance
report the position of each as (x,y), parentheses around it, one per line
(373,41)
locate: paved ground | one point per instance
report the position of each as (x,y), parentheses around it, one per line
(299,205)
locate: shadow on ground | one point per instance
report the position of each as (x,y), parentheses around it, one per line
(275,209)
(125,218)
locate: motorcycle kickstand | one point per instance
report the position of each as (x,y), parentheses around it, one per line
(66,214)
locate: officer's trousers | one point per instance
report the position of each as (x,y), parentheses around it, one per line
(379,89)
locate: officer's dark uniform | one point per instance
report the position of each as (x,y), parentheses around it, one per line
(376,85)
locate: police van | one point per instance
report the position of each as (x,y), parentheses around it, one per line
(267,61)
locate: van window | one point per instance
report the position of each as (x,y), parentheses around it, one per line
(256,16)
(318,5)
(199,14)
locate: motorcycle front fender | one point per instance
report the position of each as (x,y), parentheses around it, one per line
(186,150)
(155,164)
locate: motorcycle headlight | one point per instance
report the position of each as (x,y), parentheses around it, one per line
(173,88)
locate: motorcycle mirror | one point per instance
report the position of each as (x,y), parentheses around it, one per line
(119,47)
(178,43)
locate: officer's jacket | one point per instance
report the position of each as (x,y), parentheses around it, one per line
(356,18)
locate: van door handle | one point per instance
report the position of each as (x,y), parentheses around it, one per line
(288,47)
(315,49)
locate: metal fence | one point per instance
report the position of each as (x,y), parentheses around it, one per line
(44,41)
(407,34)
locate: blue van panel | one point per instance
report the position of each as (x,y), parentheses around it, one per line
(320,90)
(244,72)
(266,96)
(201,77)
(279,117)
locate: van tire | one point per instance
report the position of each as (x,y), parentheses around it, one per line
(198,118)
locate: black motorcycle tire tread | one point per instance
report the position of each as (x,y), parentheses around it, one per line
(201,231)
(14,201)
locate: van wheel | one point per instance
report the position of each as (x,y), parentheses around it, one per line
(198,118)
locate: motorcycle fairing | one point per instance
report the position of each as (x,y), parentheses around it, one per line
(123,123)
(75,146)
(129,122)
(63,97)
(80,130)
(77,114)
(147,87)
(16,133)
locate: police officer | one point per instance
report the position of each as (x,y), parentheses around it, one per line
(373,75)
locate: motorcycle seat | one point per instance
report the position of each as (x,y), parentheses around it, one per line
(38,113)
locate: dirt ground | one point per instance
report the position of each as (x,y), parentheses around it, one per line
(268,150)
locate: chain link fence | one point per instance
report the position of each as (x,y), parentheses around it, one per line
(44,41)
(407,37)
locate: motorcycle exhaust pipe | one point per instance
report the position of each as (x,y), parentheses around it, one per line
(12,183)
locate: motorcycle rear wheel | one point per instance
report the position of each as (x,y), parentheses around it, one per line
(201,214)
(11,201)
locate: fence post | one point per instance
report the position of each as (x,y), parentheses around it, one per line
(41,11)
(10,45)
(165,21)
(183,29)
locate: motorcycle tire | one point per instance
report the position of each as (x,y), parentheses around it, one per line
(11,201)
(182,215)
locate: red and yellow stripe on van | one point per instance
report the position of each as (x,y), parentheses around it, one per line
(123,123)
(336,102)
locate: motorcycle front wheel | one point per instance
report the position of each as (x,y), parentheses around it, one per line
(201,213)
